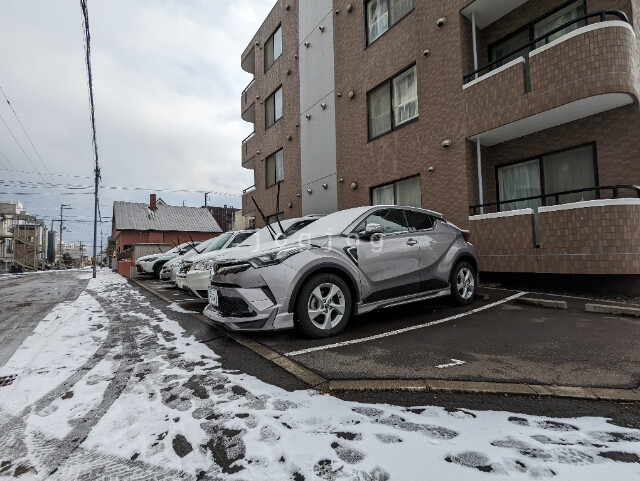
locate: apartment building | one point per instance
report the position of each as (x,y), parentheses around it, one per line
(517,119)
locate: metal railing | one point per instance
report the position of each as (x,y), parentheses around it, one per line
(602,15)
(248,86)
(246,139)
(249,189)
(615,194)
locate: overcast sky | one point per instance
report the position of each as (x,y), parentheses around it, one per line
(167,84)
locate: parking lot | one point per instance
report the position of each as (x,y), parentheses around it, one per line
(497,339)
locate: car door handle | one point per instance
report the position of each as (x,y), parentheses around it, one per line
(412,242)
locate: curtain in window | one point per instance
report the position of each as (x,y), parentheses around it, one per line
(399,8)
(278,104)
(379,111)
(378,18)
(570,170)
(277,44)
(279,166)
(565,15)
(520,180)
(408,192)
(405,96)
(383,195)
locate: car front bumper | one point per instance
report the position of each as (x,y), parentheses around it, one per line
(145,267)
(248,310)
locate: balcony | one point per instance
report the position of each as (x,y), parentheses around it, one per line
(247,99)
(587,237)
(555,80)
(248,63)
(247,204)
(249,151)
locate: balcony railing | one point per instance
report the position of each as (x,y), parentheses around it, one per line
(615,194)
(248,86)
(601,15)
(246,139)
(249,189)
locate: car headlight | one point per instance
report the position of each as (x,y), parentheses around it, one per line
(203,265)
(276,257)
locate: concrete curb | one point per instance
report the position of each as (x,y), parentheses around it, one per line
(617,310)
(315,381)
(551,304)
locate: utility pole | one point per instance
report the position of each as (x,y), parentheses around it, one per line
(62,206)
(81,255)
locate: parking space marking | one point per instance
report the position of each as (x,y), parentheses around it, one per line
(406,329)
(456,362)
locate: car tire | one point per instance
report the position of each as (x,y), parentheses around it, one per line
(156,270)
(464,283)
(324,306)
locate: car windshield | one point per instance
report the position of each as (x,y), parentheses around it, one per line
(332,224)
(290,226)
(200,248)
(218,242)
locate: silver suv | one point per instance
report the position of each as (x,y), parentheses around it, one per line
(347,263)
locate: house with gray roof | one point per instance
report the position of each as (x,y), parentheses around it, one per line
(159,223)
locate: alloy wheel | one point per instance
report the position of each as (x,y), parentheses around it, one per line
(465,283)
(326,306)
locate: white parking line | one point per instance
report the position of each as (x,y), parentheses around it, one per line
(406,329)
(456,362)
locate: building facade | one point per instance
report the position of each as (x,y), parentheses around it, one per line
(224,216)
(517,119)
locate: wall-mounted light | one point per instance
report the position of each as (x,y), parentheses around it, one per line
(288,137)
(321,28)
(306,44)
(287,7)
(308,116)
(446,145)
(323,106)
(349,8)
(288,71)
(426,52)
(354,185)
(325,186)
(441,22)
(351,94)
(432,169)
(309,191)
(290,205)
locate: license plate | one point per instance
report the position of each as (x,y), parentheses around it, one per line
(213,297)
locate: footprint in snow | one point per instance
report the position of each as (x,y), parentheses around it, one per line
(347,454)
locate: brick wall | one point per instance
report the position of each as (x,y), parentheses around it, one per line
(267,141)
(581,238)
(505,242)
(591,239)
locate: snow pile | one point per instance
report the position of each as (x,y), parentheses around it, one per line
(177,414)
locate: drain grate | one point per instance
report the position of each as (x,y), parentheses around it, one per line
(6,380)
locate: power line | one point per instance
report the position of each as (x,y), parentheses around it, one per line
(40,173)
(25,132)
(21,148)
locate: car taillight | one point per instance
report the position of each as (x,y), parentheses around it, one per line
(466,234)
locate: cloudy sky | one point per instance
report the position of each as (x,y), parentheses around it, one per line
(167,84)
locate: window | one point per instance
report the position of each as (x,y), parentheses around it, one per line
(240,238)
(275,168)
(393,103)
(570,169)
(401,192)
(273,48)
(419,220)
(384,14)
(393,221)
(273,108)
(550,21)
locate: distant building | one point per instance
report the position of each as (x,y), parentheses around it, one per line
(224,216)
(23,238)
(156,222)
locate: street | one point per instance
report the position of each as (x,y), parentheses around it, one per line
(112,382)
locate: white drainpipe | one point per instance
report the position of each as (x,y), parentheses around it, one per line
(475,42)
(479,159)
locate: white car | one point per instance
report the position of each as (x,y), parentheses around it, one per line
(171,267)
(194,277)
(223,241)
(152,263)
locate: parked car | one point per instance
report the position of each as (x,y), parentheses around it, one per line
(224,241)
(351,262)
(152,263)
(172,266)
(194,276)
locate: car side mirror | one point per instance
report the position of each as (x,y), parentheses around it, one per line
(371,230)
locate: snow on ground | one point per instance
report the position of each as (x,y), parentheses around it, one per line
(141,400)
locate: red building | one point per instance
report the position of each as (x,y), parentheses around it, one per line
(156,222)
